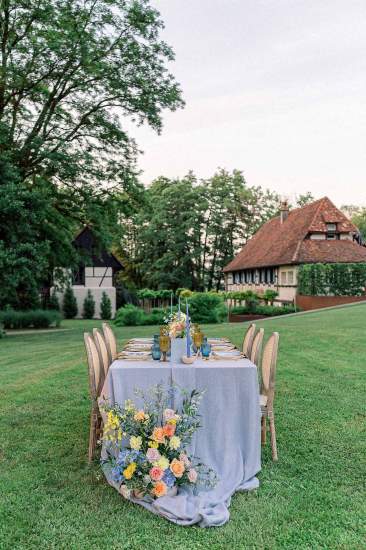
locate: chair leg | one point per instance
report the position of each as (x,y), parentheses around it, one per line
(92,436)
(273,438)
(263,429)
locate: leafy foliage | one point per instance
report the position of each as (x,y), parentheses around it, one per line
(206,307)
(53,302)
(129,315)
(271,311)
(88,306)
(71,73)
(70,306)
(40,318)
(105,307)
(187,231)
(340,279)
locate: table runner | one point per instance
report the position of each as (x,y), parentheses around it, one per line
(228,442)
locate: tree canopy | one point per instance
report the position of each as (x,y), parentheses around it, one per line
(72,73)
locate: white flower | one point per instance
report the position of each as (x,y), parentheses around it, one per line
(174,442)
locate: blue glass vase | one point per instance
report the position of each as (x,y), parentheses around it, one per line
(155,349)
(205,348)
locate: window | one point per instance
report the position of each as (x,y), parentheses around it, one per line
(283,278)
(249,276)
(331,227)
(78,276)
(290,277)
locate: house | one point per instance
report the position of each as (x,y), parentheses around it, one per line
(95,273)
(315,233)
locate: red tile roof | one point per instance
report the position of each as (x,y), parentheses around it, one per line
(277,243)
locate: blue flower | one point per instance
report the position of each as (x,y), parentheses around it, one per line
(122,457)
(117,474)
(168,478)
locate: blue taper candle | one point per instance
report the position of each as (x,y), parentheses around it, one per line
(188,330)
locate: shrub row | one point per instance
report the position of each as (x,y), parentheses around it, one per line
(271,311)
(38,318)
(339,279)
(131,315)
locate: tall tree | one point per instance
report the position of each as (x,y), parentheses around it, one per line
(70,73)
(357,214)
(189,230)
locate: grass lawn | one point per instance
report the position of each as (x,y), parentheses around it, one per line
(314,497)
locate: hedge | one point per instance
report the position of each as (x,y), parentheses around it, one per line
(338,279)
(38,318)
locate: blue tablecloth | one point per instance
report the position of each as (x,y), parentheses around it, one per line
(228,442)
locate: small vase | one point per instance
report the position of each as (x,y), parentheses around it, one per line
(178,348)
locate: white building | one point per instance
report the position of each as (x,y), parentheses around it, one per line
(96,273)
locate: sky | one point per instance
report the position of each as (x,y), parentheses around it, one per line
(274,88)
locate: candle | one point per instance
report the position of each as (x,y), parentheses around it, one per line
(179,308)
(171,303)
(188,331)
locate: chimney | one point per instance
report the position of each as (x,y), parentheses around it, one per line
(284,210)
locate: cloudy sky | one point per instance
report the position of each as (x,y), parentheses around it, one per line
(275,88)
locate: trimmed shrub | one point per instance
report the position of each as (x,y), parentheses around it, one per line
(70,306)
(89,306)
(269,296)
(271,311)
(53,302)
(105,307)
(155,317)
(338,279)
(129,316)
(205,307)
(38,318)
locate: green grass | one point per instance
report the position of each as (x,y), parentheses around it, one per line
(314,497)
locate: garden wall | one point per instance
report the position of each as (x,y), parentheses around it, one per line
(317,302)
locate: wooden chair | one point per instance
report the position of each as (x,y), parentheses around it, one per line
(248,340)
(102,350)
(110,341)
(95,380)
(256,351)
(269,362)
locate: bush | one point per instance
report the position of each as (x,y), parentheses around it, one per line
(251,301)
(205,307)
(269,296)
(38,318)
(271,311)
(105,307)
(155,317)
(339,279)
(70,306)
(129,316)
(53,302)
(88,306)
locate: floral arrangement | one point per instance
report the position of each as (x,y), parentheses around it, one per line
(146,447)
(176,324)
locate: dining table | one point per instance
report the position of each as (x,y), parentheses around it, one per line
(228,440)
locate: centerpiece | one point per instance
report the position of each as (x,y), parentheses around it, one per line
(146,448)
(179,331)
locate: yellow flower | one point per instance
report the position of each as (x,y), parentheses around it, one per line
(172,421)
(135,442)
(174,442)
(113,422)
(130,470)
(153,444)
(163,463)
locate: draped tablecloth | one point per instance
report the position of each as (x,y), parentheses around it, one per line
(228,441)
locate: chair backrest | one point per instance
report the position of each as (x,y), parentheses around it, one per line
(96,377)
(248,340)
(102,350)
(269,363)
(257,347)
(111,341)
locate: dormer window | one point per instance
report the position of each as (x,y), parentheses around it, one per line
(331,227)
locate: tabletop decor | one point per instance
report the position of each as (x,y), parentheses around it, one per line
(154,462)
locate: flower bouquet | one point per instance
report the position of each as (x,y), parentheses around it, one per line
(146,447)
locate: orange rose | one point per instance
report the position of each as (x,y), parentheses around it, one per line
(160,489)
(169,430)
(158,435)
(140,416)
(177,467)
